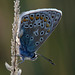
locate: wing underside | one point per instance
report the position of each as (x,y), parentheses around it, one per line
(37,26)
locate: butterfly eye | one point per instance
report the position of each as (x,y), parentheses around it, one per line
(37,43)
(41,39)
(34,56)
(42,33)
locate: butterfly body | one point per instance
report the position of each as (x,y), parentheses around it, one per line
(34,28)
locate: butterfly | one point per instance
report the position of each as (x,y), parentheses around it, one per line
(34,27)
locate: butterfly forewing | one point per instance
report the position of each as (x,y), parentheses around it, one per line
(37,25)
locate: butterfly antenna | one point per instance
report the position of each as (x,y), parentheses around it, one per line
(51,61)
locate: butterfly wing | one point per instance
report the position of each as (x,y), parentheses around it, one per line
(35,27)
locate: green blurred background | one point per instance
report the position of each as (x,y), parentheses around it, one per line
(60,46)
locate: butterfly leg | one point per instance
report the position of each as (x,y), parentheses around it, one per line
(21,62)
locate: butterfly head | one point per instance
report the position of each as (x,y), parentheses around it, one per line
(33,56)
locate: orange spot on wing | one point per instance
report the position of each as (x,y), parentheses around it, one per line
(48,31)
(45,20)
(21,22)
(31,18)
(47,25)
(37,17)
(41,18)
(25,20)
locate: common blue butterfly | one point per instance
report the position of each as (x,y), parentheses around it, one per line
(35,26)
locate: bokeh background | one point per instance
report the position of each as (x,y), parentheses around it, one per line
(60,46)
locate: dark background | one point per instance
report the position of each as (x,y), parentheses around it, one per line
(60,46)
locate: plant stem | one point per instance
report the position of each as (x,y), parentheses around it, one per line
(14,47)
